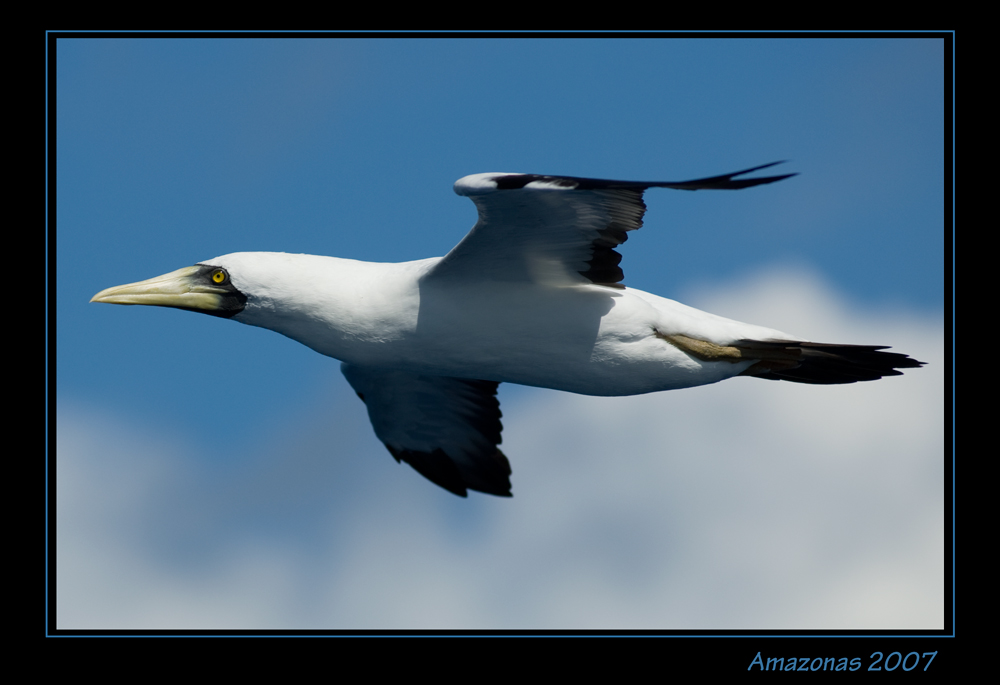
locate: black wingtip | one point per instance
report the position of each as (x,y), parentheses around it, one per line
(729,181)
(437,467)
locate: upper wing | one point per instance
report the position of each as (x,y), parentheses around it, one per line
(447,429)
(558,229)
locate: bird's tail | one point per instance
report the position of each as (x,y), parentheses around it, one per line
(821,363)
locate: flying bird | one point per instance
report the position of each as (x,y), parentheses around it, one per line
(533,295)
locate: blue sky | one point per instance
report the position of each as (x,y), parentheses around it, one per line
(173,151)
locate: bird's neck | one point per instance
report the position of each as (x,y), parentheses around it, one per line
(338,307)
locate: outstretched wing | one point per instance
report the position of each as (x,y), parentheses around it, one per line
(447,429)
(558,229)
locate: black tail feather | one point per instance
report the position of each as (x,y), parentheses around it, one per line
(823,363)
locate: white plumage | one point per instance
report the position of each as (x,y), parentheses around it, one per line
(532,295)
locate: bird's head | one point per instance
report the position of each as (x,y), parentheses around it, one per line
(205,288)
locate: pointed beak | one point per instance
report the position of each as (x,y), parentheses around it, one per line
(184,289)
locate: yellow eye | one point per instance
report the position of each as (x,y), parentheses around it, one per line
(218,276)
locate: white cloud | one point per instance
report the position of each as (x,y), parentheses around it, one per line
(747,504)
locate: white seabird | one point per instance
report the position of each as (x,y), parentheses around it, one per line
(532,295)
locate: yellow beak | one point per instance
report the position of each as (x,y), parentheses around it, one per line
(182,289)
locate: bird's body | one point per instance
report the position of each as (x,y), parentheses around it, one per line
(581,338)
(532,296)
